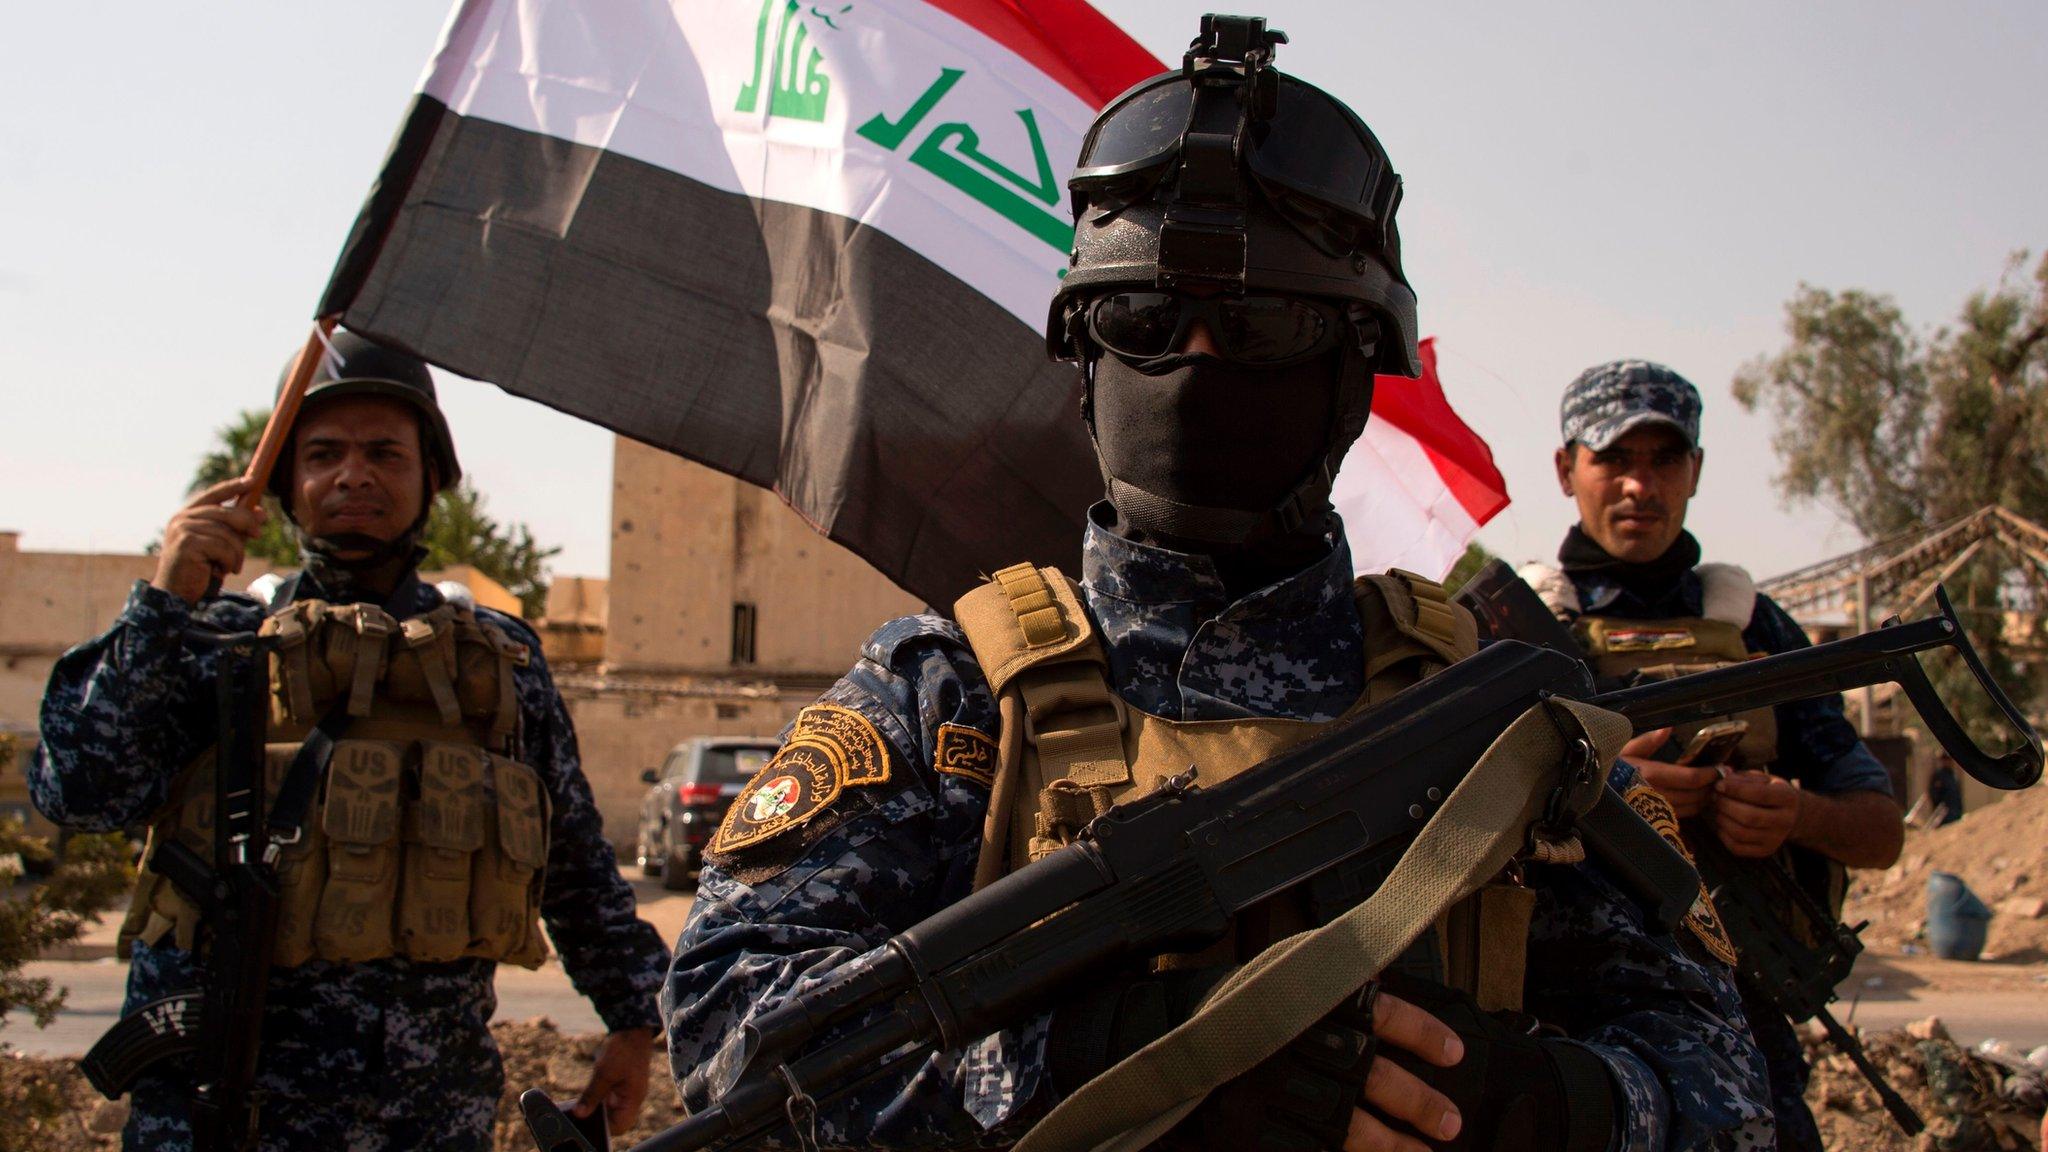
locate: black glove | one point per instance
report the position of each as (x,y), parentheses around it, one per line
(1514,1089)
(1299,1100)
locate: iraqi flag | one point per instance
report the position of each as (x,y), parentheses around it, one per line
(807,244)
(1419,483)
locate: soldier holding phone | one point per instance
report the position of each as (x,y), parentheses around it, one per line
(1793,780)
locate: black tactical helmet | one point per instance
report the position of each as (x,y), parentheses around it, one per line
(1230,174)
(359,367)
(1229,177)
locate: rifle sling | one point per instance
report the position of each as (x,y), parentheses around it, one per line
(1288,987)
(295,794)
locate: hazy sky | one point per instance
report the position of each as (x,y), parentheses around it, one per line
(1584,182)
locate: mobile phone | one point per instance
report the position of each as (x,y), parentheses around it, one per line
(1714,743)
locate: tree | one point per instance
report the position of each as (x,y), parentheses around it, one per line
(1897,431)
(94,872)
(457,530)
(229,460)
(1468,566)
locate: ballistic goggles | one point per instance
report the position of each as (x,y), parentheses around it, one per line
(1266,331)
(1314,160)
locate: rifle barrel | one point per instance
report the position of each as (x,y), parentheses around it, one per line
(1894,1103)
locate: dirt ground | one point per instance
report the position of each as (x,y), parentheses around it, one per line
(2000,851)
(1971,1103)
(537,1055)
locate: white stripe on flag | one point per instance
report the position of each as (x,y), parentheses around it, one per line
(1397,511)
(695,88)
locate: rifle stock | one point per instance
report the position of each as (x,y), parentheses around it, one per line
(216,1029)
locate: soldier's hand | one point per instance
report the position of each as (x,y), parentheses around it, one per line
(1313,1093)
(618,1078)
(1519,1089)
(1689,789)
(206,540)
(1754,812)
(1398,1094)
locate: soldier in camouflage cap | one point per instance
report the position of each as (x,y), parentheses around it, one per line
(1803,788)
(1228,347)
(1608,401)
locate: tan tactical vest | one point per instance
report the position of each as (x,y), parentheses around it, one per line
(1071,748)
(424,840)
(1661,649)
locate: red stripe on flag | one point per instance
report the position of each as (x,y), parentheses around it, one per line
(1419,409)
(1066,39)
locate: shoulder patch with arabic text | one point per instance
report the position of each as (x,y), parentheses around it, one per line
(830,750)
(966,753)
(1703,919)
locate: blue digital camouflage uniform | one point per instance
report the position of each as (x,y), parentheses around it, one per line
(1817,746)
(1669,1028)
(389,1054)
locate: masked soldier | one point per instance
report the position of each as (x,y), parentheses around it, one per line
(1236,283)
(1632,587)
(450,817)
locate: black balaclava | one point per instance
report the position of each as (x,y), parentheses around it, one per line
(1212,433)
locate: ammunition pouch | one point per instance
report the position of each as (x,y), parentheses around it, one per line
(424,839)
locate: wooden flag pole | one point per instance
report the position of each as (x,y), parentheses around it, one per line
(284,412)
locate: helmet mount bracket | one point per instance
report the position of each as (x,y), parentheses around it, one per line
(1202,239)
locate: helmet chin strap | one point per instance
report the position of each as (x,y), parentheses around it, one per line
(1212,529)
(358,551)
(371,565)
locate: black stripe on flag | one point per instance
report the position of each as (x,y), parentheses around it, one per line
(905,414)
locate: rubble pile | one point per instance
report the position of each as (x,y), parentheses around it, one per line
(2000,851)
(1973,1101)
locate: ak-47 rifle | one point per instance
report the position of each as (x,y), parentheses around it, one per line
(1166,872)
(218,1026)
(1791,949)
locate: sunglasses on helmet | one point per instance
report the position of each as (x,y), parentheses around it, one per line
(1269,331)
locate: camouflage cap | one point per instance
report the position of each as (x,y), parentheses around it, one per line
(1610,400)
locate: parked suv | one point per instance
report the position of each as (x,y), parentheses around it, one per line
(690,794)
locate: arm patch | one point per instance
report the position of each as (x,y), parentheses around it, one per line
(1703,920)
(966,753)
(830,750)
